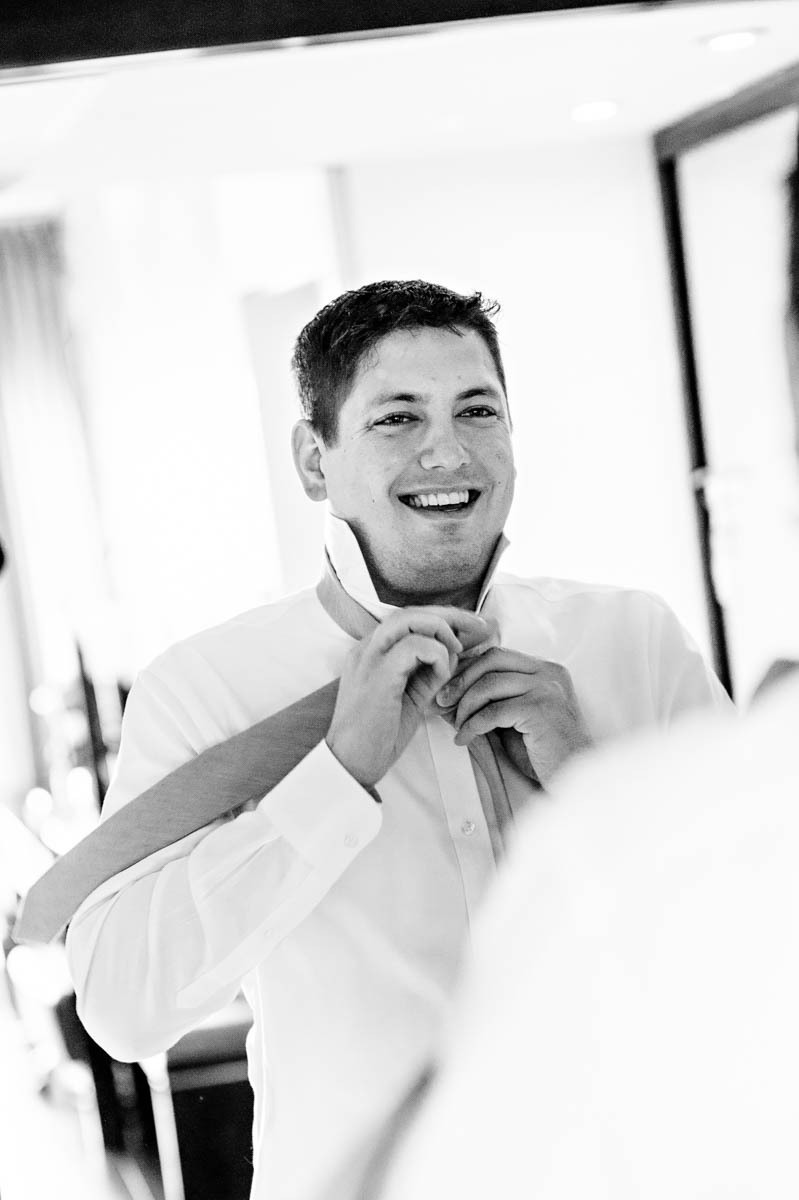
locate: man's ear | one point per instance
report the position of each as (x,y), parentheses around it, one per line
(306,446)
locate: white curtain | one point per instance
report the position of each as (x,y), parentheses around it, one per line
(45,463)
(173,413)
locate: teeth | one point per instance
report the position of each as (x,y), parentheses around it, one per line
(436,499)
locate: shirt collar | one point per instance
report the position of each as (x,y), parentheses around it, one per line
(348,563)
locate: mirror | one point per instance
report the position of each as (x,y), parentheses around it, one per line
(733,201)
(168,224)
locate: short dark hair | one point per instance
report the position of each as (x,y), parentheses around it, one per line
(332,346)
(793,241)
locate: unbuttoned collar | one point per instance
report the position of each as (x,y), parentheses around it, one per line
(348,563)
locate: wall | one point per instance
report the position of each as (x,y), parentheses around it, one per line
(569,240)
(180,432)
(182,291)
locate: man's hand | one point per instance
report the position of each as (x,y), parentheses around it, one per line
(390,681)
(530,701)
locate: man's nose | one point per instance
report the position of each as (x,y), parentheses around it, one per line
(443,448)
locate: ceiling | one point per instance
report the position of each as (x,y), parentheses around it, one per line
(494,83)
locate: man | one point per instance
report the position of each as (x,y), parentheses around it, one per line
(340,903)
(629,1028)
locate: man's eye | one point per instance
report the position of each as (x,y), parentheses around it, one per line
(396,419)
(479,410)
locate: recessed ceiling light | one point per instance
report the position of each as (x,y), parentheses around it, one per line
(732,40)
(595,110)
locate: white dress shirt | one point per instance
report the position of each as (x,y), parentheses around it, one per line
(630,1027)
(342,920)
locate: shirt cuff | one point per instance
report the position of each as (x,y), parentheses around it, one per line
(322,811)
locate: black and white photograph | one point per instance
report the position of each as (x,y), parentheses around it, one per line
(399,600)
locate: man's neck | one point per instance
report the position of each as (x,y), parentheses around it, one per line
(464,598)
(361,577)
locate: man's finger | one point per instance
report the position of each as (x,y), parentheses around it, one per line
(495,659)
(501,714)
(471,628)
(415,652)
(496,685)
(412,623)
(477,638)
(491,640)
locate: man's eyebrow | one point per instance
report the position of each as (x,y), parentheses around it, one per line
(485,389)
(414,398)
(397,397)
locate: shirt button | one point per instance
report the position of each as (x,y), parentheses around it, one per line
(351,841)
(468,827)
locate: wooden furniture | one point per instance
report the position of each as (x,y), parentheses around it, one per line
(203,1108)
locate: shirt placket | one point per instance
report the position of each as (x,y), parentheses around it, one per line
(466,822)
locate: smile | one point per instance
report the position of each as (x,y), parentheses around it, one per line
(442,502)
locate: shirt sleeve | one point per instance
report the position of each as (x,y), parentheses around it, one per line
(681,679)
(167,942)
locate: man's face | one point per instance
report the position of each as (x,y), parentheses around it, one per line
(422,470)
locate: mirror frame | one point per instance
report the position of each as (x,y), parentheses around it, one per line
(770,95)
(48,32)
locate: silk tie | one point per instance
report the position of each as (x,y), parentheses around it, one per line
(223,778)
